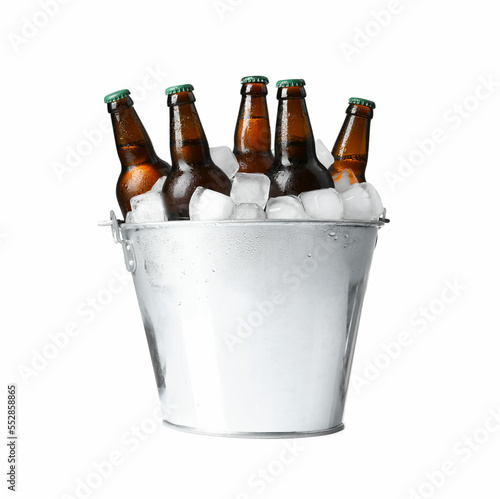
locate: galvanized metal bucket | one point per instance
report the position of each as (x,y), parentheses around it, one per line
(251,325)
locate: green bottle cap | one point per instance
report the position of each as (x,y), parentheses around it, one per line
(362,102)
(179,88)
(116,96)
(254,79)
(290,83)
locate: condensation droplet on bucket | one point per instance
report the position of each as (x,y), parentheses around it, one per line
(309,255)
(332,234)
(346,236)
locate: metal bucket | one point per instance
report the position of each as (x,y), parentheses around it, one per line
(251,326)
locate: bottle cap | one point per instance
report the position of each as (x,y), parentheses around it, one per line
(179,88)
(290,83)
(254,79)
(362,102)
(116,96)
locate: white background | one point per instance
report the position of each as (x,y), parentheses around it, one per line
(406,416)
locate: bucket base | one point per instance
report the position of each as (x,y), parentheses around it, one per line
(255,434)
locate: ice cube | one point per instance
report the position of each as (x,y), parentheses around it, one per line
(324,155)
(224,158)
(248,211)
(376,200)
(361,202)
(344,180)
(147,207)
(206,204)
(158,186)
(322,204)
(251,188)
(285,208)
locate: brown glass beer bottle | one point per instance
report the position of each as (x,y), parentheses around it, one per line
(296,168)
(192,165)
(252,136)
(351,147)
(141,167)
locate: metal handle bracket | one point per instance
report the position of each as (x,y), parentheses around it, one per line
(127,246)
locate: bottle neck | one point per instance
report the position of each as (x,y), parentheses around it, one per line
(133,144)
(294,140)
(188,143)
(354,136)
(253,131)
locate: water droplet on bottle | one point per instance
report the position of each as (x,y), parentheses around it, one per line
(309,255)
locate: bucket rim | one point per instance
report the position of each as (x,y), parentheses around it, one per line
(250,223)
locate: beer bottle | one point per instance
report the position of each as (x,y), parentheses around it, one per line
(141,167)
(252,136)
(296,168)
(192,165)
(351,147)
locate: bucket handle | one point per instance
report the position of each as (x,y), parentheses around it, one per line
(127,246)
